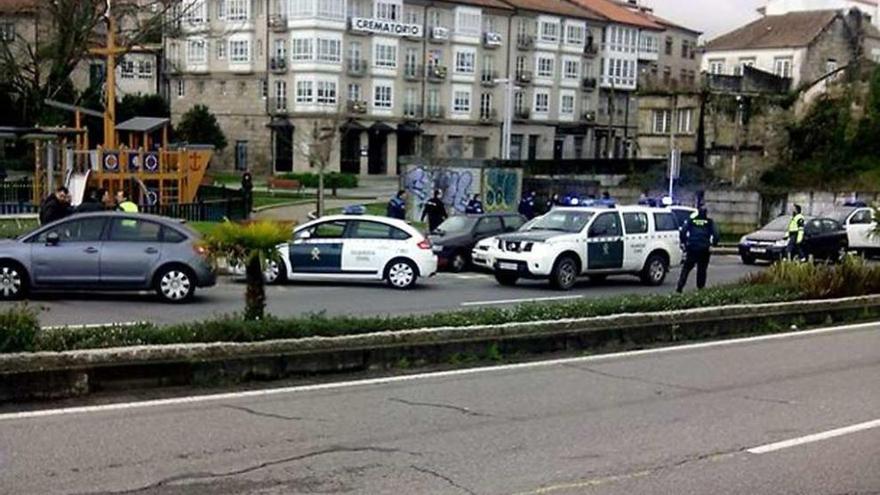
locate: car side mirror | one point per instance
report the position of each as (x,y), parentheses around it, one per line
(52,239)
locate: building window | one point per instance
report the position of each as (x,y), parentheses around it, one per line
(280,51)
(411,16)
(685,120)
(305,91)
(237,10)
(545,67)
(329,50)
(461,100)
(145,69)
(465,60)
(685,47)
(486,105)
(264,88)
(566,104)
(126,68)
(434,18)
(716,66)
(542,102)
(518,101)
(196,12)
(782,66)
(330,9)
(468,21)
(571,69)
(385,56)
(669,45)
(575,34)
(7,31)
(221,49)
(195,52)
(743,62)
(181,88)
(389,11)
(354,92)
(326,94)
(382,96)
(280,95)
(549,31)
(661,121)
(301,49)
(239,51)
(241,148)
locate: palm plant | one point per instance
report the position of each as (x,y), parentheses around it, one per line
(252,243)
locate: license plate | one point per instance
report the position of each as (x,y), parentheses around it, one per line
(759,250)
(508,266)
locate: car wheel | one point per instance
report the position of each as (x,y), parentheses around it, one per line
(655,270)
(747,260)
(275,272)
(13,281)
(401,274)
(175,284)
(564,274)
(458,263)
(506,279)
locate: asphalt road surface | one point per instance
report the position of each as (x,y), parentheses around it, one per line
(442,293)
(788,414)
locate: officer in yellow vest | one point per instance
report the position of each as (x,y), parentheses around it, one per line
(795,234)
(125,204)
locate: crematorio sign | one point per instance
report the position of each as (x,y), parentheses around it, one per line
(380,26)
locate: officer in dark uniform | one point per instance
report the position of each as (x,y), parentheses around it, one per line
(397,206)
(527,205)
(698,235)
(474,206)
(553,202)
(435,211)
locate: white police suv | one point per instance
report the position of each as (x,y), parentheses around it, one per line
(597,241)
(354,247)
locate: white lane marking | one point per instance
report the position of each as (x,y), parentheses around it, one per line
(514,301)
(87,326)
(435,374)
(816,437)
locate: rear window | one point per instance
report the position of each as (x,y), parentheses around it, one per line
(635,223)
(171,235)
(665,222)
(376,230)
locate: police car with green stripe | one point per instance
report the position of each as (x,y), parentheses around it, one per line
(571,242)
(354,247)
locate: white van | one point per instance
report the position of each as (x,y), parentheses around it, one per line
(570,242)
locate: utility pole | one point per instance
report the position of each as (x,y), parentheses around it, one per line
(506,133)
(673,165)
(736,137)
(610,120)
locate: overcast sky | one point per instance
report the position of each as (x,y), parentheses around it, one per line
(712,17)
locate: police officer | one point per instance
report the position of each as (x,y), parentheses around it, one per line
(397,206)
(527,205)
(795,234)
(474,206)
(553,202)
(435,211)
(698,235)
(125,204)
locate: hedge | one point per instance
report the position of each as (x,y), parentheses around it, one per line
(332,180)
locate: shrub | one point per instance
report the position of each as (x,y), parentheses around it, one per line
(199,126)
(19,327)
(853,277)
(332,180)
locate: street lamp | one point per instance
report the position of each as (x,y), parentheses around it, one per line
(508,115)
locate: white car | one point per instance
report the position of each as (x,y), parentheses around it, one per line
(570,242)
(860,224)
(354,247)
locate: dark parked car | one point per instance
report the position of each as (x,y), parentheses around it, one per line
(455,238)
(106,252)
(824,239)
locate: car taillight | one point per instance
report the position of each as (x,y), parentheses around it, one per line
(424,244)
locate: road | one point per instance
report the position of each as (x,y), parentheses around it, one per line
(698,419)
(442,293)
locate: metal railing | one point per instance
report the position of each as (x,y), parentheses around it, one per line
(437,72)
(278,64)
(435,112)
(525,41)
(524,76)
(488,77)
(412,110)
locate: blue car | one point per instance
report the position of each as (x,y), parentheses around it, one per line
(106,251)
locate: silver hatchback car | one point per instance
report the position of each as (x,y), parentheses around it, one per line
(106,251)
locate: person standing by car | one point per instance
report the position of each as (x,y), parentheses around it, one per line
(527,205)
(698,235)
(125,204)
(95,201)
(247,189)
(795,234)
(435,211)
(56,206)
(474,206)
(397,206)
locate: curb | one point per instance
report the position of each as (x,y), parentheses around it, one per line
(73,373)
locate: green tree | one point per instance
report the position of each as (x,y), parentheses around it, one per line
(199,126)
(253,243)
(142,106)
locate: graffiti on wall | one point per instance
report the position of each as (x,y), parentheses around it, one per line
(458,186)
(501,189)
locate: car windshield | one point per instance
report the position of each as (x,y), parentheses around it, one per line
(456,224)
(778,225)
(563,221)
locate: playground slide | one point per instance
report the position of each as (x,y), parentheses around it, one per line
(76,184)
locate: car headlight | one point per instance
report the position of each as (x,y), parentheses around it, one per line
(781,243)
(744,240)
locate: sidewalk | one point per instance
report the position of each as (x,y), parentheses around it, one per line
(300,213)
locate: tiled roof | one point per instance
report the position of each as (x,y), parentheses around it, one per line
(558,7)
(490,4)
(666,22)
(795,29)
(617,13)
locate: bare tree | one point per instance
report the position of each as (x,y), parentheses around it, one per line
(317,147)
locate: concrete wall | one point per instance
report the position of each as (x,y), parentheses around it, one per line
(499,189)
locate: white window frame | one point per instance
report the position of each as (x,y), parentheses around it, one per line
(541,102)
(302,48)
(462,96)
(305,91)
(280,94)
(783,66)
(384,55)
(468,21)
(387,10)
(383,95)
(549,29)
(465,60)
(545,66)
(145,68)
(126,68)
(195,12)
(661,121)
(330,9)
(575,66)
(237,10)
(239,50)
(354,92)
(716,66)
(326,92)
(329,50)
(575,33)
(563,108)
(197,51)
(684,120)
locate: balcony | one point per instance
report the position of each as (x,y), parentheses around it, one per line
(356,67)
(439,34)
(525,42)
(524,76)
(356,106)
(435,112)
(277,105)
(412,111)
(488,116)
(278,23)
(437,73)
(278,65)
(413,72)
(492,40)
(591,50)
(488,77)
(521,114)
(589,84)
(589,116)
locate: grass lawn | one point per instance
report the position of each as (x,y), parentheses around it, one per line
(10,228)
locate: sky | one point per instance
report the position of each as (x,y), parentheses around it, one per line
(712,17)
